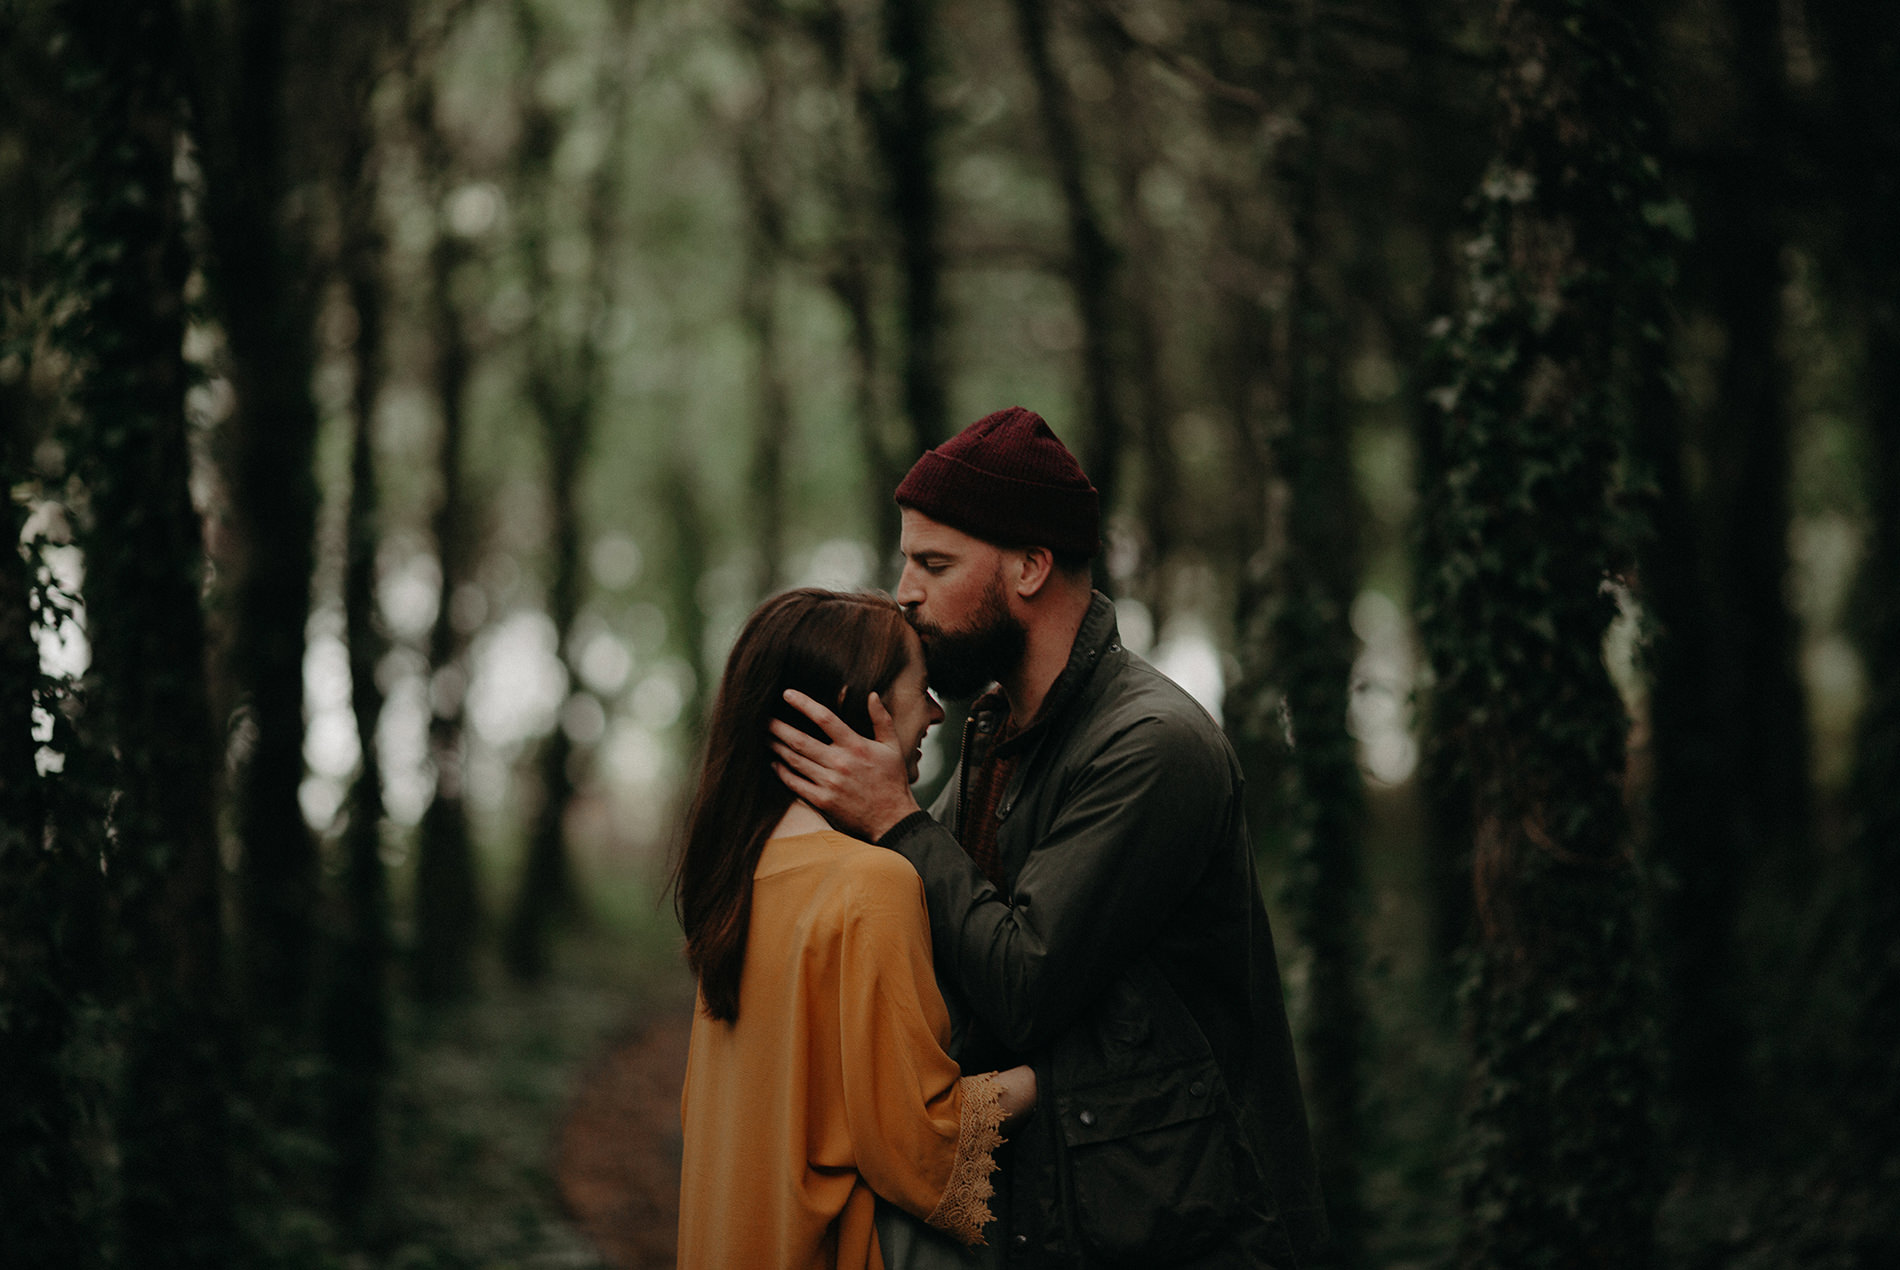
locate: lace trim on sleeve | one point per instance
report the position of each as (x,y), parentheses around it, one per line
(965,1209)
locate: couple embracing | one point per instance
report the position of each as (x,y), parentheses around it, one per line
(1037,1025)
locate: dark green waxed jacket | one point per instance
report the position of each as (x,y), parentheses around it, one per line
(1130,962)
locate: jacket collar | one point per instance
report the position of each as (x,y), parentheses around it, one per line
(1097,637)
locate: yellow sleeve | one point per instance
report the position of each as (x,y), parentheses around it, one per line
(924,1138)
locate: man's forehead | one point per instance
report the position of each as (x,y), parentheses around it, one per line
(923,534)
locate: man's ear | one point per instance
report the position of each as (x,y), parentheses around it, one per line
(1037,565)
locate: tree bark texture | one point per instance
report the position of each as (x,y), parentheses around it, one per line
(1563,1167)
(144,575)
(260,273)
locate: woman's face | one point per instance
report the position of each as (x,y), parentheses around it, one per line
(913,709)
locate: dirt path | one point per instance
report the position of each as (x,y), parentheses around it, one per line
(619,1154)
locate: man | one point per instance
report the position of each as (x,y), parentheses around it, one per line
(1090,882)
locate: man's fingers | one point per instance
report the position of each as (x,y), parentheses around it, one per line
(830,724)
(789,738)
(791,758)
(883,727)
(796,783)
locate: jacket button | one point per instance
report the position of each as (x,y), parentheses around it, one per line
(1087,1117)
(1197,1089)
(1020,1241)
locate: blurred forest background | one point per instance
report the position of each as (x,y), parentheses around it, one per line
(1497,408)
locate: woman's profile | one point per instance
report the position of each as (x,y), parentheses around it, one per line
(817,1079)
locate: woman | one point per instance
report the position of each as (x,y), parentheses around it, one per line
(817,1078)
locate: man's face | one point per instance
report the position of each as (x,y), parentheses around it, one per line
(953,591)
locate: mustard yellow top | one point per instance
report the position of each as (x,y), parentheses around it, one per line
(833,1083)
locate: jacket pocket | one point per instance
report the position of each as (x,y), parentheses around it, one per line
(1160,1167)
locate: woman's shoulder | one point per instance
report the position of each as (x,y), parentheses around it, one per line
(842,860)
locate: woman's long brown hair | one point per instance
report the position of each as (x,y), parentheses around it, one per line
(835,647)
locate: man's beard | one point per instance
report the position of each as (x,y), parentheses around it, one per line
(963,663)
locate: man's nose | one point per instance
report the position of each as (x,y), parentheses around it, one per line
(908,593)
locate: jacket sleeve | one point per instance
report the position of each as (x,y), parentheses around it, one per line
(923,1137)
(1133,833)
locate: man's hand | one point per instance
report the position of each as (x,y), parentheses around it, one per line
(858,783)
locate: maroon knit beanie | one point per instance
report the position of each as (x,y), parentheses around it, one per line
(1008,480)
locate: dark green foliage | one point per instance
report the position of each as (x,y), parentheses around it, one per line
(141,536)
(1563,1169)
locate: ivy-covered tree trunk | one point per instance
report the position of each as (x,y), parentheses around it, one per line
(1562,1170)
(41,1172)
(147,632)
(260,277)
(448,898)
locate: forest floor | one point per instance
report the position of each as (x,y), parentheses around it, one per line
(618,1161)
(538,1127)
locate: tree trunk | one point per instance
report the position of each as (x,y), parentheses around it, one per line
(41,1172)
(904,123)
(147,632)
(1864,47)
(1317,578)
(853,280)
(1144,273)
(1091,260)
(448,898)
(355,1013)
(564,387)
(260,274)
(1690,837)
(759,138)
(1563,1166)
